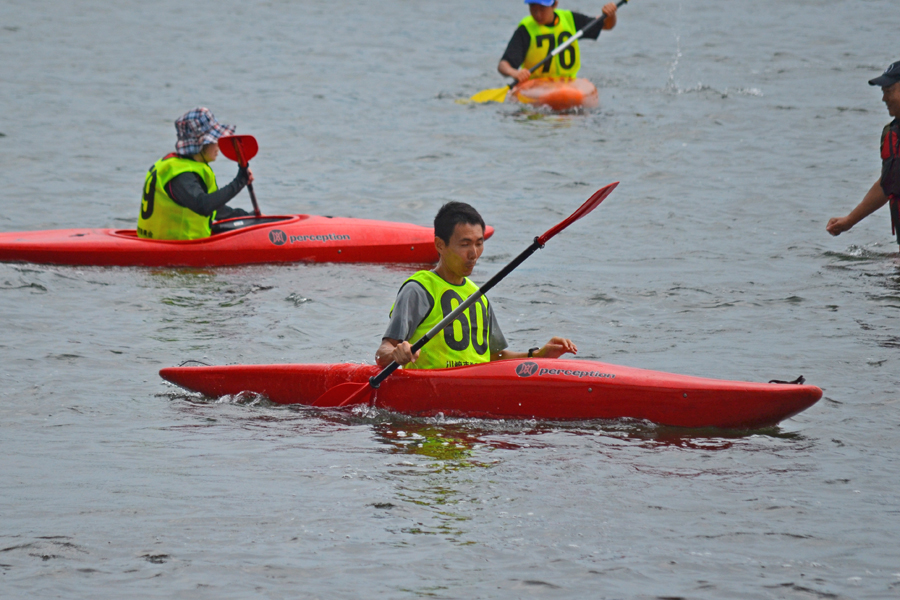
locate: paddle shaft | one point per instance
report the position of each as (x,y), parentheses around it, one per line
(245,163)
(253,200)
(578,35)
(377,379)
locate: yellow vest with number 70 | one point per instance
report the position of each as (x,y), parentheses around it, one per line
(545,39)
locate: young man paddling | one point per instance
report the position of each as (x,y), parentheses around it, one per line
(428,296)
(887,187)
(541,32)
(181,198)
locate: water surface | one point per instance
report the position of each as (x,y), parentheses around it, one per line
(736,130)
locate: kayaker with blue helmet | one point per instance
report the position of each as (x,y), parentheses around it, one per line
(428,296)
(887,187)
(181,198)
(544,30)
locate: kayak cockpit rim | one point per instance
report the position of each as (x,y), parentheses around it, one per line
(265,221)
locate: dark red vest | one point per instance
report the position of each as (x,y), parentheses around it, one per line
(890,170)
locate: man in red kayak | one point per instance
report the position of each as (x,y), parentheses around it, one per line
(181,198)
(428,296)
(887,187)
(540,33)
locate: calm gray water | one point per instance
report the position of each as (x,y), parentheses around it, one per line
(736,129)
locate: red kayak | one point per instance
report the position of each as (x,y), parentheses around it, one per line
(244,240)
(544,389)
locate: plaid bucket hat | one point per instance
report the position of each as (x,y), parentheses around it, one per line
(196,128)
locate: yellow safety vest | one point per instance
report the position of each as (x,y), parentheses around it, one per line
(161,218)
(466,341)
(545,39)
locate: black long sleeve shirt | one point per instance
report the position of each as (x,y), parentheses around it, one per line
(189,191)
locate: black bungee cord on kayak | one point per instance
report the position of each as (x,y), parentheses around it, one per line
(194,363)
(799,381)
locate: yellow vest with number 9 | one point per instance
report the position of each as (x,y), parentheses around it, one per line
(466,341)
(545,39)
(161,218)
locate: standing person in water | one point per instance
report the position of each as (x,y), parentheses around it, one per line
(541,32)
(181,198)
(887,187)
(428,296)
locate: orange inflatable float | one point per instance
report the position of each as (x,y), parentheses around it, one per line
(558,93)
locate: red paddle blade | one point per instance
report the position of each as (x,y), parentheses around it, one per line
(345,394)
(591,203)
(239,148)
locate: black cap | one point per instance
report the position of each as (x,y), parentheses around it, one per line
(890,76)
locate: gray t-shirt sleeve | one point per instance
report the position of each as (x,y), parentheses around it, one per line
(498,342)
(411,307)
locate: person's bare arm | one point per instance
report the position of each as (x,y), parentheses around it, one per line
(555,348)
(507,69)
(610,11)
(872,201)
(397,351)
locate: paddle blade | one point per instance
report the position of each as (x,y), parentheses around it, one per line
(345,394)
(495,95)
(239,148)
(591,203)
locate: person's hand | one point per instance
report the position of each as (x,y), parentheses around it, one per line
(556,347)
(403,354)
(522,75)
(245,173)
(609,11)
(838,225)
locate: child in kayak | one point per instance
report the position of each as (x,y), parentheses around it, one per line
(541,32)
(428,296)
(181,198)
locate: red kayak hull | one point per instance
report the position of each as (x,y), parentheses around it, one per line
(296,238)
(542,389)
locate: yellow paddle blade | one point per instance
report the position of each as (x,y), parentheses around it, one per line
(496,95)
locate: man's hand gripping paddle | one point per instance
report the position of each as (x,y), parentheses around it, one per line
(499,94)
(357,393)
(241,148)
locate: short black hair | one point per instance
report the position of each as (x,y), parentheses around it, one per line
(452,214)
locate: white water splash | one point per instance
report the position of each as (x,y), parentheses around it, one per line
(671,86)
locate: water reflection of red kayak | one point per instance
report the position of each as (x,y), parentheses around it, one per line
(244,240)
(544,389)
